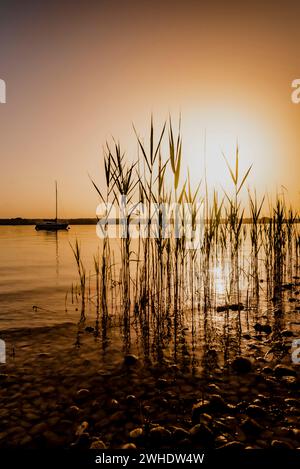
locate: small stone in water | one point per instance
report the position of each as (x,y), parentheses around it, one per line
(241,365)
(130,360)
(287,333)
(266,328)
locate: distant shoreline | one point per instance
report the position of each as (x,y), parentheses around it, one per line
(84,221)
(33,221)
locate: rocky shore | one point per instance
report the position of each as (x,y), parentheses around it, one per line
(53,394)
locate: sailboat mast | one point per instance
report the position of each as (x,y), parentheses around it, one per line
(56,201)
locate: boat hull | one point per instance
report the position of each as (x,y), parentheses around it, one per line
(52,226)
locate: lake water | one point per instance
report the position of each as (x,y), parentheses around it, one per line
(37,268)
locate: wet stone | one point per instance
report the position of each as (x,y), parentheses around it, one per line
(289,381)
(180,434)
(48,390)
(266,328)
(129,446)
(255,411)
(27,440)
(281,444)
(98,444)
(38,429)
(159,435)
(118,416)
(131,400)
(241,365)
(284,370)
(130,360)
(137,433)
(251,427)
(287,333)
(202,434)
(82,395)
(113,404)
(52,439)
(73,411)
(198,409)
(232,445)
(83,442)
(217,403)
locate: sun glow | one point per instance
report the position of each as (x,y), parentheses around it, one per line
(210,133)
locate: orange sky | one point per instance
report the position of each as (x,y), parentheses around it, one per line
(79,72)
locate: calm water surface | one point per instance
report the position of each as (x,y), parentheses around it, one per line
(37,268)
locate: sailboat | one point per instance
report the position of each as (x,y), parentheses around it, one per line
(53,225)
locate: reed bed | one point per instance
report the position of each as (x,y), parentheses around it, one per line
(183,277)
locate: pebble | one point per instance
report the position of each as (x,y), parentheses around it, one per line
(52,439)
(113,404)
(289,381)
(255,411)
(26,440)
(241,365)
(232,445)
(38,428)
(198,409)
(73,411)
(128,446)
(284,370)
(292,401)
(83,442)
(159,435)
(251,427)
(136,433)
(118,416)
(287,333)
(180,434)
(82,395)
(48,390)
(201,433)
(217,403)
(266,328)
(131,400)
(130,360)
(281,444)
(98,444)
